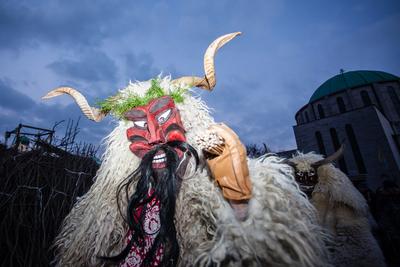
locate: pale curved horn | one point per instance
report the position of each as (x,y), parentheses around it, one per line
(330,159)
(91,113)
(208,81)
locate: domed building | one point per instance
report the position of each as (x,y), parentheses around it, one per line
(361,108)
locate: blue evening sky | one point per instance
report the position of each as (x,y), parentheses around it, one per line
(288,48)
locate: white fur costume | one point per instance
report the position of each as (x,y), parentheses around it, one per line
(281,229)
(343,212)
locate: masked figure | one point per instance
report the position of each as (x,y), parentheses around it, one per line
(342,210)
(175,188)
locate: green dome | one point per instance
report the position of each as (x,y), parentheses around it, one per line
(351,79)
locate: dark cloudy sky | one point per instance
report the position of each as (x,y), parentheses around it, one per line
(288,48)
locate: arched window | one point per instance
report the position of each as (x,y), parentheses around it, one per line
(336,146)
(341,105)
(320,143)
(365,98)
(395,99)
(356,149)
(307,118)
(321,111)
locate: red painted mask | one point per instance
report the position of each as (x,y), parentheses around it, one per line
(155,123)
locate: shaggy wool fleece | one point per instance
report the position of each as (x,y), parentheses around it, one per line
(281,229)
(343,212)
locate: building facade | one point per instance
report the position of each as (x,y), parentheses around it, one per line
(361,109)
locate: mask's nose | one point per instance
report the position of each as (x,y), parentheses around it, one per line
(156,133)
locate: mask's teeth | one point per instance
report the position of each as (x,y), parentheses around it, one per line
(159,160)
(159,156)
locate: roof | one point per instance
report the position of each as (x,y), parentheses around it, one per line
(351,79)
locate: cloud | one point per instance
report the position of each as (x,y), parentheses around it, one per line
(93,66)
(140,66)
(12,99)
(66,23)
(16,107)
(257,111)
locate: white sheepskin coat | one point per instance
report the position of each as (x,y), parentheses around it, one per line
(343,212)
(281,229)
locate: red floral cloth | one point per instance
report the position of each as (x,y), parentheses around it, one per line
(151,227)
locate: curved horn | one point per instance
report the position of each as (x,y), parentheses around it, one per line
(208,81)
(91,113)
(330,159)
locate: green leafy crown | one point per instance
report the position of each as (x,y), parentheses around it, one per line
(122,102)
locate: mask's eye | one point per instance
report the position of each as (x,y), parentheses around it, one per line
(163,117)
(311,173)
(140,124)
(299,174)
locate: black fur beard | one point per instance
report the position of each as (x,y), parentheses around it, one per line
(165,184)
